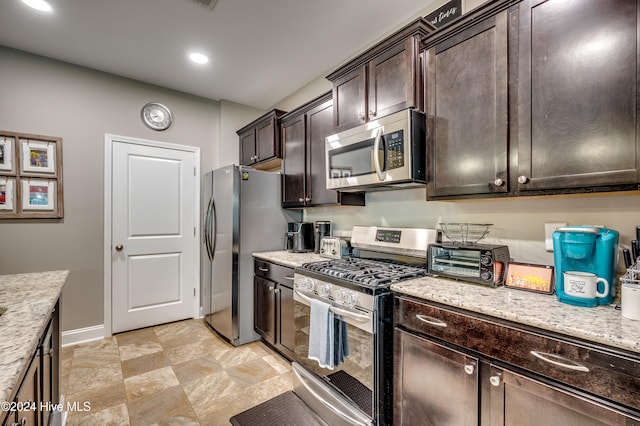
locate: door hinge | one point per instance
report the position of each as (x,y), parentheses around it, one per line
(194,231)
(194,171)
(194,292)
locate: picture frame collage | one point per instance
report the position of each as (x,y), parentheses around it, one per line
(30,176)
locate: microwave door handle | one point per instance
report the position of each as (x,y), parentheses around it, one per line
(376,155)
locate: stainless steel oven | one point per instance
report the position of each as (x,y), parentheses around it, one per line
(358,389)
(381,154)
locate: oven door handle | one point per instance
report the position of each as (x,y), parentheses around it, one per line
(339,311)
(309,388)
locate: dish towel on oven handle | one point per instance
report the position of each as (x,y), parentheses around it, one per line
(321,334)
(328,342)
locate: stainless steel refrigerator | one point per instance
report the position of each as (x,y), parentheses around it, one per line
(242,215)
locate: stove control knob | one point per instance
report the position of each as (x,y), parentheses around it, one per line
(350,298)
(306,284)
(486,276)
(338,296)
(325,290)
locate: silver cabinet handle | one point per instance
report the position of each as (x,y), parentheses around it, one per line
(560,361)
(270,288)
(263,269)
(301,200)
(523,179)
(276,291)
(498,182)
(469,369)
(372,113)
(495,380)
(431,321)
(287,277)
(119,247)
(307,199)
(361,116)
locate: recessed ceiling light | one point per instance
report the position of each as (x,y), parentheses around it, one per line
(198,58)
(40,5)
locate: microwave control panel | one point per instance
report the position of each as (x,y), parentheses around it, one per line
(395,149)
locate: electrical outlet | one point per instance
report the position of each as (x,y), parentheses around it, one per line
(548,233)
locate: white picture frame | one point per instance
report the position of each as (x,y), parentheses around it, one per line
(38,156)
(6,153)
(38,194)
(7,194)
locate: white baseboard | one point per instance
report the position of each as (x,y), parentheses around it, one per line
(82,335)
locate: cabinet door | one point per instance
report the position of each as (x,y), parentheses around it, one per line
(433,384)
(319,126)
(286,321)
(294,167)
(577,94)
(47,372)
(527,402)
(392,80)
(247,147)
(29,395)
(264,309)
(467,108)
(266,141)
(350,107)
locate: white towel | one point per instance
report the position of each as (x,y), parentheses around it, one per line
(321,334)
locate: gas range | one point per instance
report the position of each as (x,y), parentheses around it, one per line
(384,256)
(363,271)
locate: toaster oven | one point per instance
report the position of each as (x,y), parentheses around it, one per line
(477,263)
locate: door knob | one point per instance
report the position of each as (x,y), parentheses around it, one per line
(119,247)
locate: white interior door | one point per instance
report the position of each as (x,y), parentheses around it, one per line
(153,244)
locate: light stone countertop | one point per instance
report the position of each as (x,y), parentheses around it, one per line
(286,258)
(601,324)
(30,299)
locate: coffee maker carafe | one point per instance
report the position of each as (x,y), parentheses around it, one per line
(585,260)
(299,237)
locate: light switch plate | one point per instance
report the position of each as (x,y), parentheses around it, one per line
(548,233)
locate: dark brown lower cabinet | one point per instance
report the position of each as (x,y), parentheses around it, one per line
(452,368)
(38,390)
(273,306)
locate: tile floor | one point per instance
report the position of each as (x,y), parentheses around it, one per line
(180,373)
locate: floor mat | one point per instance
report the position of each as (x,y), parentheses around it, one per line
(354,389)
(283,410)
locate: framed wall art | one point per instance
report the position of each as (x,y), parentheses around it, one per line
(6,154)
(31,185)
(38,156)
(7,198)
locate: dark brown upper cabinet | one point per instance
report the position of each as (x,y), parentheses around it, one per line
(384,79)
(304,164)
(576,106)
(260,142)
(537,97)
(467,106)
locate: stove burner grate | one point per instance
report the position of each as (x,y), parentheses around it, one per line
(370,272)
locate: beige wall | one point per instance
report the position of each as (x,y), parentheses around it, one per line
(51,98)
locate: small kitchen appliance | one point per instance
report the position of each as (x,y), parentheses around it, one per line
(382,154)
(462,258)
(585,249)
(334,247)
(322,229)
(299,237)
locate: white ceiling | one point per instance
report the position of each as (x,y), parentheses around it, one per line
(261,51)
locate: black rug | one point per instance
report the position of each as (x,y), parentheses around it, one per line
(354,389)
(283,410)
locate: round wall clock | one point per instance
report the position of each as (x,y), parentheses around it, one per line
(156,116)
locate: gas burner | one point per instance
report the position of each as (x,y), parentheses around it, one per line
(369,272)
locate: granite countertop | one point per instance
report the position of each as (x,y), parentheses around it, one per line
(30,299)
(286,258)
(601,324)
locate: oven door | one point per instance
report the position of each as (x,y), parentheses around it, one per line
(343,395)
(374,154)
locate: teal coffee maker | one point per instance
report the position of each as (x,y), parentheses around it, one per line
(585,260)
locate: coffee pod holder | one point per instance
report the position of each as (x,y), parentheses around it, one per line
(630,294)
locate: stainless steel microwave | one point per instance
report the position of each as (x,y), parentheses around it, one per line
(385,153)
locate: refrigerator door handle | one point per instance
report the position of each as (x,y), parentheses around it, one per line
(214,229)
(207,230)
